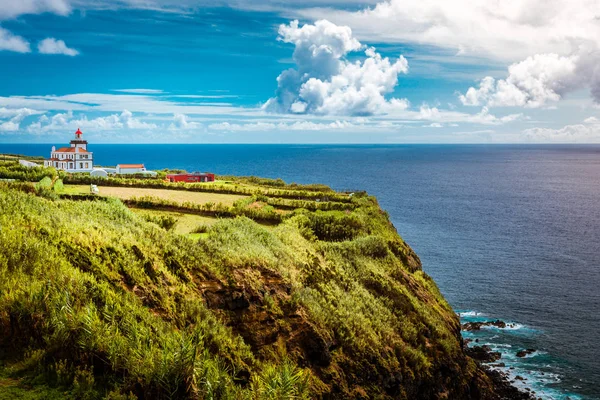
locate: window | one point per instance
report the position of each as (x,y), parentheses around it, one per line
(86,165)
(81,165)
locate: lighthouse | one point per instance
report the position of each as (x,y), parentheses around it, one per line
(75,158)
(78,141)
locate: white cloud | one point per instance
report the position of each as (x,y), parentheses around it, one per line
(578,133)
(180,121)
(14,112)
(13,8)
(325,83)
(15,117)
(66,121)
(591,120)
(475,97)
(140,91)
(483,117)
(282,126)
(534,82)
(554,48)
(9,126)
(54,46)
(110,102)
(505,30)
(10,42)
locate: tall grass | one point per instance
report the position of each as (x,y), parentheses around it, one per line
(101,302)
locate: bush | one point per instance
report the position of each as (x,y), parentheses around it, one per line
(333,225)
(167,222)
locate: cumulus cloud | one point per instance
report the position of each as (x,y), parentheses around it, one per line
(591,120)
(484,117)
(324,82)
(54,46)
(577,133)
(65,121)
(180,121)
(502,30)
(10,42)
(10,119)
(17,112)
(552,49)
(537,81)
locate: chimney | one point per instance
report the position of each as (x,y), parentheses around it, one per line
(53,149)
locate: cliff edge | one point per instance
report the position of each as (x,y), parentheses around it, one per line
(323,301)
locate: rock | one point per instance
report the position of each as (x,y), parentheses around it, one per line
(519,378)
(483,354)
(475,326)
(504,388)
(523,353)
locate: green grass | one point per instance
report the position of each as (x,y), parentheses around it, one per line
(13,387)
(97,299)
(186,223)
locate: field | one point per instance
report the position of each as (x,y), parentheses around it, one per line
(125,193)
(186,223)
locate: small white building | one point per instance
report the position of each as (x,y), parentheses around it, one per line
(75,158)
(125,169)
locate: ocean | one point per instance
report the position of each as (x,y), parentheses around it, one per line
(508,232)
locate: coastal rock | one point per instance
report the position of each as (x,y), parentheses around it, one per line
(504,389)
(475,326)
(524,353)
(483,354)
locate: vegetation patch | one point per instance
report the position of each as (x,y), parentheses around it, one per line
(98,300)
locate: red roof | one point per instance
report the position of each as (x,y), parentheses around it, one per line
(78,133)
(70,150)
(130,166)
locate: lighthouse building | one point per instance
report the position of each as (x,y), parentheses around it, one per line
(75,158)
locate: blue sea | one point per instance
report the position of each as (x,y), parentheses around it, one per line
(507,232)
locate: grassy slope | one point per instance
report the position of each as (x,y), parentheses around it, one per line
(96,301)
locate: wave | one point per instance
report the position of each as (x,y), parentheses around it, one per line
(510,326)
(463,314)
(532,372)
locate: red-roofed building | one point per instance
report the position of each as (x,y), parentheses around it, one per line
(75,158)
(131,168)
(193,177)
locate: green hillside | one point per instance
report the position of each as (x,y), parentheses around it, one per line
(282,299)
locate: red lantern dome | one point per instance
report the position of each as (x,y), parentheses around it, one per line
(78,133)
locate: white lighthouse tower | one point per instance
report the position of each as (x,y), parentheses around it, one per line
(75,158)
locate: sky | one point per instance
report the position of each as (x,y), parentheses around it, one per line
(311,71)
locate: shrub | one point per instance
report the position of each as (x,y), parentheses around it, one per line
(167,222)
(333,225)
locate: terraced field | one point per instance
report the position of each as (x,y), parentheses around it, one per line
(126,193)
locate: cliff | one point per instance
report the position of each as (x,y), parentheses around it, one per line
(97,301)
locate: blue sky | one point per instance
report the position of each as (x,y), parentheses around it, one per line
(349,72)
